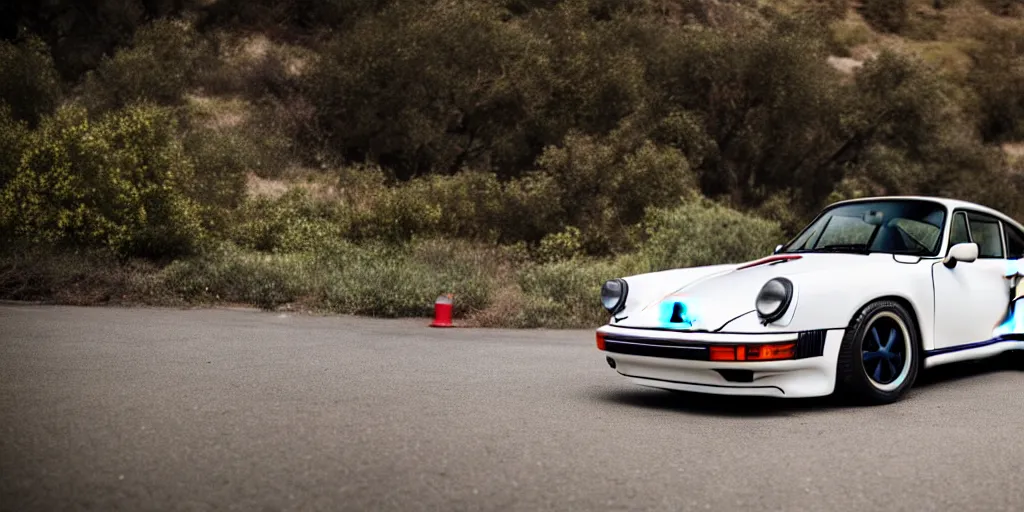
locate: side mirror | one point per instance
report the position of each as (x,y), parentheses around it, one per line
(777,249)
(961,252)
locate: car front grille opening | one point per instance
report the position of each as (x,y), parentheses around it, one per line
(737,375)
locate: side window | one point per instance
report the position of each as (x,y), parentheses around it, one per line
(1014,243)
(958,230)
(985,232)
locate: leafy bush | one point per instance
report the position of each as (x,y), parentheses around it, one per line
(997,78)
(705,233)
(82,33)
(886,15)
(230,275)
(294,222)
(845,35)
(161,62)
(829,10)
(79,278)
(562,294)
(915,140)
(620,175)
(378,280)
(397,87)
(29,83)
(436,87)
(561,246)
(770,110)
(13,141)
(120,183)
(369,279)
(468,204)
(221,160)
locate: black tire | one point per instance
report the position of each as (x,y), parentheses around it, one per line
(861,350)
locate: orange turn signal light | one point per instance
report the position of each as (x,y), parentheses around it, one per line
(600,341)
(773,352)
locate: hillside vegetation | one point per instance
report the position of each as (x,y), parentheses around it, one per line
(367,156)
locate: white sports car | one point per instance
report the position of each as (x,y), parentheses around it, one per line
(865,296)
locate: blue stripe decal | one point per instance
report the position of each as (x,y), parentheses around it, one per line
(969,346)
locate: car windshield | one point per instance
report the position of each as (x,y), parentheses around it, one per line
(894,227)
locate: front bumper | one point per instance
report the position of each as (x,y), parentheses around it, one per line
(680,361)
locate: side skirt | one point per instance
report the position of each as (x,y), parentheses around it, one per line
(973,351)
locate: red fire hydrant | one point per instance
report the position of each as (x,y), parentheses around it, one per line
(443,311)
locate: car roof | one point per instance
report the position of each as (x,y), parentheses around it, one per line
(949,203)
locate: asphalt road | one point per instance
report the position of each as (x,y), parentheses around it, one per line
(154,409)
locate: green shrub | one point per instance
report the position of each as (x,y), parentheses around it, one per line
(119,183)
(29,83)
(158,67)
(471,272)
(81,33)
(221,160)
(788,210)
(381,281)
(86,277)
(367,279)
(829,10)
(769,110)
(469,204)
(563,294)
(997,79)
(705,233)
(294,222)
(436,87)
(886,15)
(378,280)
(845,35)
(560,246)
(620,176)
(233,276)
(915,139)
(13,142)
(240,135)
(420,87)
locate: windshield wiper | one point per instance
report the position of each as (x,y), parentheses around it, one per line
(855,248)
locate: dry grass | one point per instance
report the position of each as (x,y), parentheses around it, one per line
(845,65)
(321,187)
(81,279)
(942,38)
(853,35)
(219,112)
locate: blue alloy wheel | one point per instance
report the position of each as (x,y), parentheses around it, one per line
(884,351)
(880,354)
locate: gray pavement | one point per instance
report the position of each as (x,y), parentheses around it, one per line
(158,409)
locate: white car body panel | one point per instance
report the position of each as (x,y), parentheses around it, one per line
(828,289)
(793,379)
(956,311)
(981,292)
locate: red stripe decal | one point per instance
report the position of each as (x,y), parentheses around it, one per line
(771,259)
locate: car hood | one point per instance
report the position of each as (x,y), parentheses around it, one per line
(710,302)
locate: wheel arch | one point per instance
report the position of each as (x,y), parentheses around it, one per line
(915,317)
(851,377)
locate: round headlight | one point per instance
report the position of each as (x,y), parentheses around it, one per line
(613,295)
(773,299)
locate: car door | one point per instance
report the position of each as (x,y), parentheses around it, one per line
(971,299)
(1013,323)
